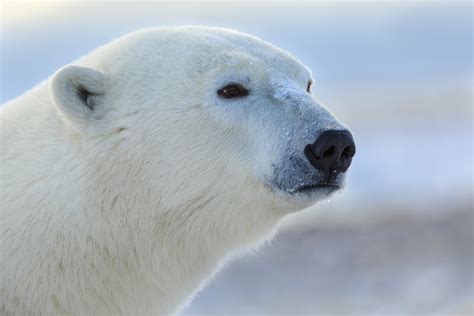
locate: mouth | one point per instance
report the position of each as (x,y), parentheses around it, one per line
(326,187)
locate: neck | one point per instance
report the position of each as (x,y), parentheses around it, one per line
(176,248)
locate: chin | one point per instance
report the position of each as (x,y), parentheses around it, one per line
(314,193)
(306,196)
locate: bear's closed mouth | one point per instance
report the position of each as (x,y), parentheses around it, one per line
(312,187)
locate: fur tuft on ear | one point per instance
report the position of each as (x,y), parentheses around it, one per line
(77,92)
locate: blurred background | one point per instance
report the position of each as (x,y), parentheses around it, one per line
(399,239)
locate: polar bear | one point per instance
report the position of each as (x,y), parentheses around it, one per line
(130,176)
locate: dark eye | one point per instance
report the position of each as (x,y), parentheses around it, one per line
(308,86)
(233,90)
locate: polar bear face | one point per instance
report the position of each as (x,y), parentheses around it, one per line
(266,96)
(270,102)
(208,111)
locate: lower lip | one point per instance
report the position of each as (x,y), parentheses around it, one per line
(322,186)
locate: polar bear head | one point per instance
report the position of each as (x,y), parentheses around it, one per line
(200,114)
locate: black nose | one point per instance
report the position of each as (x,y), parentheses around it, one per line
(332,151)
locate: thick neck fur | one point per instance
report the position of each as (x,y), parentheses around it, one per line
(109,245)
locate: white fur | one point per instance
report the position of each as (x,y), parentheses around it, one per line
(127,201)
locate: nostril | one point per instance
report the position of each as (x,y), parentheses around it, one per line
(329,152)
(349,151)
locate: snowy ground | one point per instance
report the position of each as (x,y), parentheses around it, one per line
(402,265)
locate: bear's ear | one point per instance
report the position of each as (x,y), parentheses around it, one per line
(78,92)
